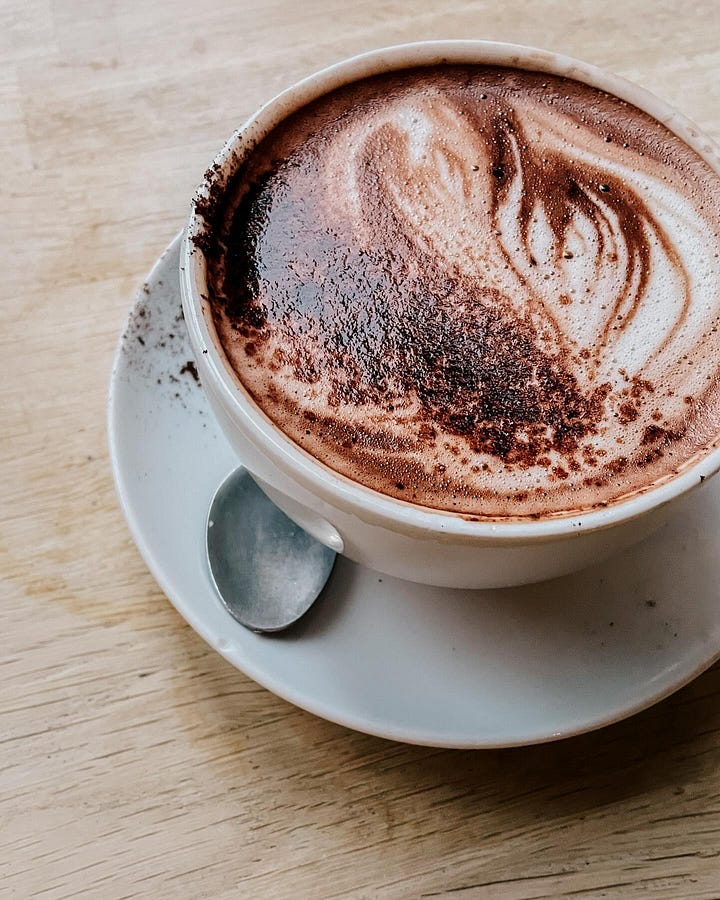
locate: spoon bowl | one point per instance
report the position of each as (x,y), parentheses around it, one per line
(267,571)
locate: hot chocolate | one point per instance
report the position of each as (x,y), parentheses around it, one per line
(477,289)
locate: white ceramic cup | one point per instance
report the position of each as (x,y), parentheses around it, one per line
(393,536)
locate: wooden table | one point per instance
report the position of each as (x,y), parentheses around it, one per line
(134,760)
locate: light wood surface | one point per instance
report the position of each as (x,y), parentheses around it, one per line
(134,762)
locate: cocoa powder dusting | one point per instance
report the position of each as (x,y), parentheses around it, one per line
(383,325)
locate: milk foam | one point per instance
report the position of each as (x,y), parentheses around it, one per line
(477,289)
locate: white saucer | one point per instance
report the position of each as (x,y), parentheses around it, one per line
(411,663)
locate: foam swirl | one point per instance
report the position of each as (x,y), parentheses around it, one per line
(478,289)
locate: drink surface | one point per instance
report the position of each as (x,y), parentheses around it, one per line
(477,289)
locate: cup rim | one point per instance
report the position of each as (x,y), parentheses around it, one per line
(309,472)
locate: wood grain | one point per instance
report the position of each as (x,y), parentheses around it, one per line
(134,762)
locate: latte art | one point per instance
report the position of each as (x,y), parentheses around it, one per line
(477,289)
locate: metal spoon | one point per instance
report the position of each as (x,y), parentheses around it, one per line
(267,571)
